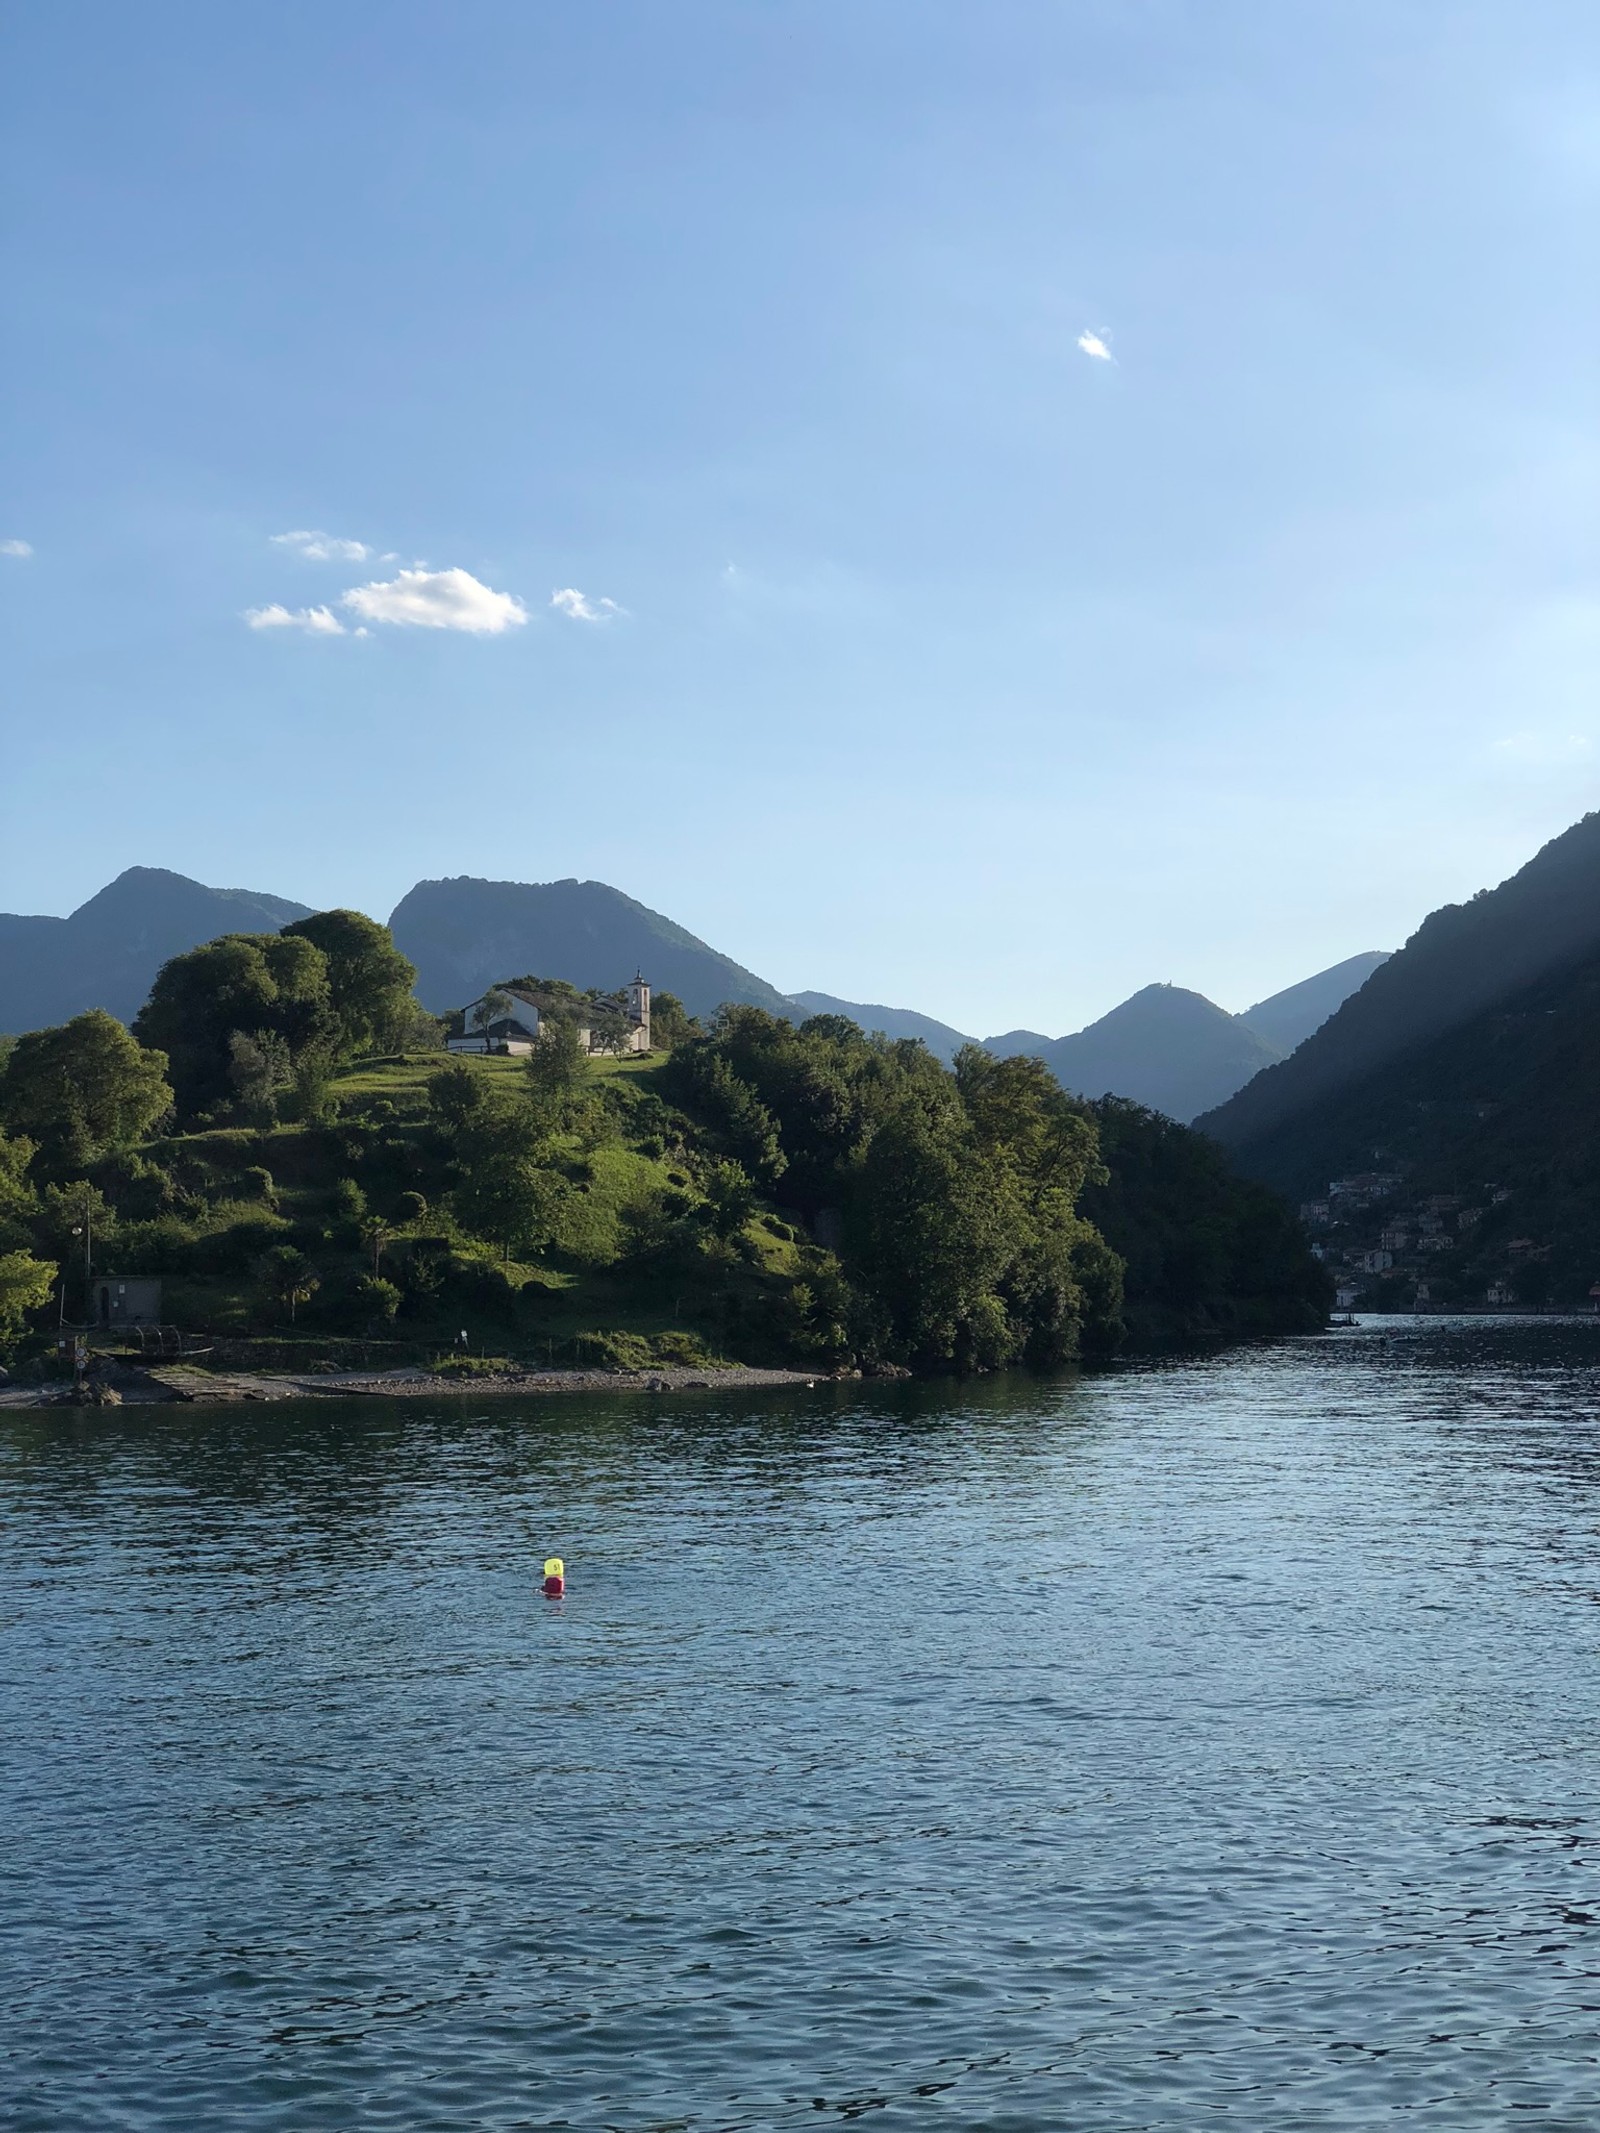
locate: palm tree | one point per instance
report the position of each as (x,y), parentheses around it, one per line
(291,1277)
(377,1233)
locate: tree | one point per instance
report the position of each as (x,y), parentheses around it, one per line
(260,1069)
(82,1089)
(289,1277)
(495,1004)
(510,1198)
(377,1301)
(671,1023)
(250,982)
(375,1234)
(18,1200)
(369,981)
(929,1236)
(25,1285)
(557,1074)
(730,1198)
(456,1095)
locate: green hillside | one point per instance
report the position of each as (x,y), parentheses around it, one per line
(597,1285)
(761,1193)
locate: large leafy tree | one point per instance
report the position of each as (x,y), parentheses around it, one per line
(509,1192)
(369,981)
(25,1285)
(82,1089)
(18,1200)
(257,984)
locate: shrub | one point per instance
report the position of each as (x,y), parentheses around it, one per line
(376,1301)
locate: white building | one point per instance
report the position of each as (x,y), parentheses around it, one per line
(507,1019)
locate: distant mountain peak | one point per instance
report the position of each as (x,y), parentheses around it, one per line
(107,953)
(464,933)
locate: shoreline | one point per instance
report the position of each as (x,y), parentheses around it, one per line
(178,1385)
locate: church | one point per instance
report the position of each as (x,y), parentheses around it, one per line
(508,1019)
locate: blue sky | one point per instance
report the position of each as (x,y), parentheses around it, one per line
(950,662)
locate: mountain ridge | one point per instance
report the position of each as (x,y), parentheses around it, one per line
(106,953)
(464,932)
(1461,959)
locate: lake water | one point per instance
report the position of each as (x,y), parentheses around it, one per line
(1207,1743)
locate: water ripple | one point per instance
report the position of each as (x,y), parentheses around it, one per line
(1206,1742)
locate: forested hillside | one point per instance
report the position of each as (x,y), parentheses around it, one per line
(1469,1169)
(1458,963)
(762,1192)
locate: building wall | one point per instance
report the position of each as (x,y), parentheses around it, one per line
(134,1300)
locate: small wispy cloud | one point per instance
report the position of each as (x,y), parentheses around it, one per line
(1096,345)
(578,607)
(314,547)
(315,621)
(437,600)
(20,549)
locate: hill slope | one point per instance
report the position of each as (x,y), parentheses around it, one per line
(1460,961)
(108,952)
(1475,1159)
(1289,1017)
(464,934)
(943,1041)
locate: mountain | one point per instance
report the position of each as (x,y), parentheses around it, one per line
(464,934)
(1289,1017)
(1171,1050)
(1460,961)
(943,1041)
(1012,1042)
(1468,1168)
(108,952)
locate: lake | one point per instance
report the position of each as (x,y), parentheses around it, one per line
(1212,1741)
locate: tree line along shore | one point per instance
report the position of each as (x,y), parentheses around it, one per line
(282,1142)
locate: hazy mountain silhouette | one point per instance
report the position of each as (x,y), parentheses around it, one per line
(1288,1018)
(464,934)
(943,1041)
(1503,1099)
(108,952)
(1172,1050)
(1461,960)
(1010,1043)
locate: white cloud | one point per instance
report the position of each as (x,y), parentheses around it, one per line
(316,621)
(20,549)
(322,547)
(1093,344)
(437,600)
(578,607)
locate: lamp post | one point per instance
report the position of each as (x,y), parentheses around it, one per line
(85,1230)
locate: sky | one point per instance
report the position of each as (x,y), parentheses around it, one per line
(977,508)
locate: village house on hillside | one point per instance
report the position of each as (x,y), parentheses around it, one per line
(508,1018)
